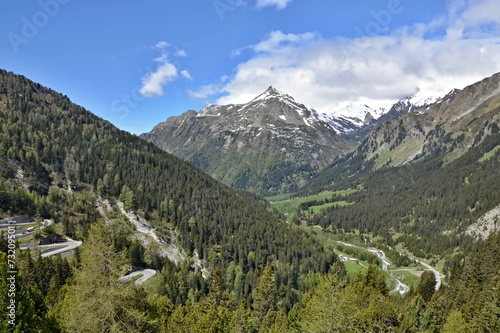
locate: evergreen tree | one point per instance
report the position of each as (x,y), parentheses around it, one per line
(415,316)
(427,285)
(455,323)
(96,301)
(240,320)
(325,311)
(264,296)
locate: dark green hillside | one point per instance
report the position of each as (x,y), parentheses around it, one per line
(57,145)
(427,204)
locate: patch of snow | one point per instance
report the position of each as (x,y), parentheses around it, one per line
(271,93)
(420,99)
(209,111)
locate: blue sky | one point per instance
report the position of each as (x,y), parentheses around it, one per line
(137,63)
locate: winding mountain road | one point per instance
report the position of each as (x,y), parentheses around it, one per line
(53,249)
(400,286)
(146,274)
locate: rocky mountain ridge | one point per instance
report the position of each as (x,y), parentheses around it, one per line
(450,126)
(444,131)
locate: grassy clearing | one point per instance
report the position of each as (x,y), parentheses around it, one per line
(289,205)
(154,285)
(317,209)
(407,277)
(439,265)
(399,155)
(489,155)
(353,268)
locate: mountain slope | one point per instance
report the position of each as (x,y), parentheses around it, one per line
(59,160)
(425,206)
(449,126)
(430,177)
(271,144)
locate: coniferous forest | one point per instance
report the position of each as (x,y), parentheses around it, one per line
(239,266)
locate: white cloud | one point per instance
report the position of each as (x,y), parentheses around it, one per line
(186,75)
(162,58)
(377,70)
(280,4)
(478,12)
(278,40)
(152,83)
(210,89)
(165,73)
(205,91)
(162,45)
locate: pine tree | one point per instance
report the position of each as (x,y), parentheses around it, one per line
(325,311)
(96,301)
(240,320)
(416,317)
(455,323)
(427,285)
(264,296)
(217,293)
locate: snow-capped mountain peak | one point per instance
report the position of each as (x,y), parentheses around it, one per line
(358,111)
(345,120)
(419,100)
(272,92)
(274,95)
(351,117)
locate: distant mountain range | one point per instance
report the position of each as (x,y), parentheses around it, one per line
(450,126)
(273,144)
(423,164)
(352,128)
